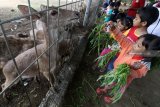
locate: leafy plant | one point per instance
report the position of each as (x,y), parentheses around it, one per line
(152,1)
(103,60)
(118,77)
(101,18)
(99,39)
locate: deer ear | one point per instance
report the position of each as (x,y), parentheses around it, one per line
(25,10)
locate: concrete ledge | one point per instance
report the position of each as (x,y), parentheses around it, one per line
(55,99)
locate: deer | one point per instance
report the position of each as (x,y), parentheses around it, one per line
(67,18)
(27,57)
(17,46)
(67,21)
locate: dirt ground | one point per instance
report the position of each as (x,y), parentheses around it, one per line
(8,8)
(18,95)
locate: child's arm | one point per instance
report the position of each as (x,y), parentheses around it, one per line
(141,71)
(121,38)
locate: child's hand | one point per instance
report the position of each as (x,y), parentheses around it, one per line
(109,27)
(136,65)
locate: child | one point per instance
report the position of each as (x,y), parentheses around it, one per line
(145,17)
(115,11)
(109,12)
(138,65)
(123,23)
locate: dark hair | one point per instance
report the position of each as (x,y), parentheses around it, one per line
(110,1)
(120,15)
(150,42)
(105,5)
(148,14)
(155,44)
(112,4)
(127,22)
(117,4)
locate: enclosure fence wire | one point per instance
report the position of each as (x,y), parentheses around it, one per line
(17,69)
(31,22)
(34,37)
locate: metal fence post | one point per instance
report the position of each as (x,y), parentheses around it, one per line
(87,13)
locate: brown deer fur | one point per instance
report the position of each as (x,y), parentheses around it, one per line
(26,58)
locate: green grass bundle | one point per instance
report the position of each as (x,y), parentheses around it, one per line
(99,39)
(103,60)
(101,19)
(152,1)
(118,77)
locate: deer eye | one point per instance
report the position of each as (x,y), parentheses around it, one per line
(77,14)
(53,12)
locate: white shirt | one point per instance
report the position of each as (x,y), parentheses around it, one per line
(154,28)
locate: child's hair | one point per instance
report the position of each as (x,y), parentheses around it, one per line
(105,5)
(120,15)
(112,4)
(151,42)
(126,22)
(148,14)
(117,4)
(155,44)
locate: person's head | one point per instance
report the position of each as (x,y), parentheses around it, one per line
(120,16)
(147,42)
(117,4)
(145,16)
(124,23)
(105,5)
(111,5)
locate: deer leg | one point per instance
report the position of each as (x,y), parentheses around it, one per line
(49,77)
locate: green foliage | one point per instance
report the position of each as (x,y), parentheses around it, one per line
(99,39)
(103,60)
(152,1)
(101,19)
(118,77)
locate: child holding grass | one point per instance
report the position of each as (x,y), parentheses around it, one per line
(138,64)
(123,23)
(145,17)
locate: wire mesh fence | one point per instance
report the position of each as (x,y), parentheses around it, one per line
(72,5)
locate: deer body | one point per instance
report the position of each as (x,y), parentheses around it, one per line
(26,58)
